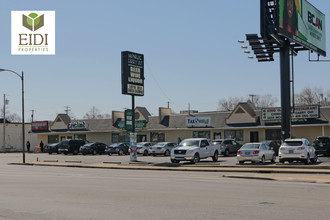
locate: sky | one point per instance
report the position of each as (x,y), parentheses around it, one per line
(191,56)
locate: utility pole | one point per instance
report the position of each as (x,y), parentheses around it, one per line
(32,114)
(67,109)
(4,122)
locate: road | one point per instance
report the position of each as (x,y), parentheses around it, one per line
(35,192)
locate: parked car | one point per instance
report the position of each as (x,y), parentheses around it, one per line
(256,152)
(70,146)
(143,148)
(93,148)
(228,146)
(117,148)
(322,146)
(162,148)
(297,150)
(52,148)
(194,149)
(275,144)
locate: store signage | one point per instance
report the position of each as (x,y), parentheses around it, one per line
(301,112)
(77,125)
(129,119)
(39,126)
(140,123)
(198,121)
(303,23)
(132,73)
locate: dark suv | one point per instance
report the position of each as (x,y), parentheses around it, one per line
(322,145)
(70,146)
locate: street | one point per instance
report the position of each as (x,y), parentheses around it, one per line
(37,192)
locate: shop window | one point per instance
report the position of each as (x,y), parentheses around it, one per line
(157,137)
(118,138)
(273,134)
(201,134)
(217,136)
(53,139)
(234,134)
(80,136)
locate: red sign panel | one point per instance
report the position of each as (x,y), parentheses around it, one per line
(39,126)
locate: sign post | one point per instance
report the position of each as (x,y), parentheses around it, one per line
(132,79)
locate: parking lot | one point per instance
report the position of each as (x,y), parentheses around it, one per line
(158,160)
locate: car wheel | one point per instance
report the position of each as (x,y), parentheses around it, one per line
(75,152)
(109,154)
(308,160)
(314,160)
(215,156)
(167,153)
(226,154)
(175,161)
(94,152)
(282,161)
(145,153)
(262,160)
(84,153)
(241,162)
(65,153)
(121,152)
(196,158)
(49,152)
(273,158)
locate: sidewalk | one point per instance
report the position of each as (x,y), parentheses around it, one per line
(291,173)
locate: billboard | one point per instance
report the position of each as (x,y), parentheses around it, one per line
(132,73)
(302,23)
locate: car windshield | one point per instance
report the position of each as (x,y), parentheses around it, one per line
(53,144)
(114,145)
(88,144)
(323,140)
(292,143)
(217,142)
(189,143)
(250,146)
(140,144)
(159,145)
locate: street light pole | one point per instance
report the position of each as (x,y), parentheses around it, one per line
(23,124)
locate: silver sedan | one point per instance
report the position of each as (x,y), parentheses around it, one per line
(255,152)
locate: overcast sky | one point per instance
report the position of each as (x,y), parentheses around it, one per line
(190,49)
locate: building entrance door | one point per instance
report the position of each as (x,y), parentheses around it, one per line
(254,136)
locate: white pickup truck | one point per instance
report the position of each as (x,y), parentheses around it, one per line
(194,149)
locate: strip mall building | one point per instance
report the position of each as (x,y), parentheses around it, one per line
(245,124)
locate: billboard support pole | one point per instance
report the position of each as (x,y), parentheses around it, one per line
(133,113)
(285,91)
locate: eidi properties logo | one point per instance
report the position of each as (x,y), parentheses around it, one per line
(33,32)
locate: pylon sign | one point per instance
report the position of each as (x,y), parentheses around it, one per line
(132,73)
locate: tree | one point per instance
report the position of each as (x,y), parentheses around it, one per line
(94,113)
(315,96)
(229,104)
(264,101)
(12,117)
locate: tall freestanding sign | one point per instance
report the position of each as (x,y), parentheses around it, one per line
(287,27)
(132,81)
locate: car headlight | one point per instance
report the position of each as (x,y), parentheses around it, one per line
(282,149)
(300,148)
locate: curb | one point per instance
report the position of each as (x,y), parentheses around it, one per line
(144,166)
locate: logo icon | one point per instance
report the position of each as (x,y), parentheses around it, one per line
(33,32)
(33,21)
